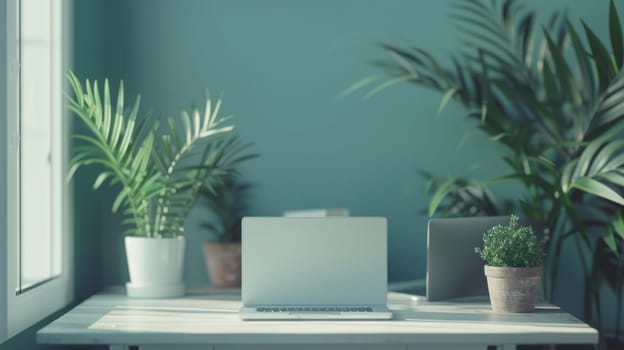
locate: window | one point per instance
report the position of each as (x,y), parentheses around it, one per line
(36,276)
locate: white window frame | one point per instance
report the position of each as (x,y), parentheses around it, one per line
(20,311)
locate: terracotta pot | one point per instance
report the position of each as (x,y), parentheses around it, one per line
(223,262)
(513,289)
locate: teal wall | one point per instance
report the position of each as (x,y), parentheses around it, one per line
(96,229)
(280,65)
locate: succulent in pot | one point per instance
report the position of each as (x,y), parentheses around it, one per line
(514,257)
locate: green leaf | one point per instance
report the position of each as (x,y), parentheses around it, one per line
(606,153)
(119,200)
(602,59)
(187,128)
(405,54)
(100,179)
(106,116)
(550,85)
(127,137)
(90,102)
(615,178)
(97,102)
(446,98)
(484,110)
(583,61)
(597,188)
(507,11)
(605,119)
(585,159)
(442,191)
(212,118)
(76,87)
(72,170)
(434,65)
(610,109)
(615,33)
(609,240)
(613,96)
(118,124)
(174,136)
(492,46)
(618,224)
(357,86)
(525,30)
(148,145)
(566,175)
(388,84)
(566,78)
(552,167)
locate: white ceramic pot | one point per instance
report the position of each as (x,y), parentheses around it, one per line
(156,267)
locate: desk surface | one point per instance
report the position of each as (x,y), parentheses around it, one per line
(210,317)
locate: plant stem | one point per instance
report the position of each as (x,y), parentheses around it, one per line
(578,226)
(587,293)
(595,295)
(555,268)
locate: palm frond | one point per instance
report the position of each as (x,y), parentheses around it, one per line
(103,135)
(157,192)
(555,103)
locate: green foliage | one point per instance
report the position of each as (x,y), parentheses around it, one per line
(228,200)
(554,102)
(511,245)
(159,182)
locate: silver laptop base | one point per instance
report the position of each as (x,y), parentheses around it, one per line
(287,313)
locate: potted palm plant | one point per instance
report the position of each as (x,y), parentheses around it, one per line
(550,94)
(222,253)
(514,257)
(158,175)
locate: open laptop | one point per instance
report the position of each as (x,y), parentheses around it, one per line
(314,268)
(454,270)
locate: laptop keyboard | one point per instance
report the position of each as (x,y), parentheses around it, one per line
(315,309)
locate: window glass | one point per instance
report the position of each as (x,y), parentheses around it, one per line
(38,259)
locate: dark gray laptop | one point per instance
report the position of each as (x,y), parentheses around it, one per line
(454,270)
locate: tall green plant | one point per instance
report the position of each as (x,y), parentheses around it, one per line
(159,176)
(555,103)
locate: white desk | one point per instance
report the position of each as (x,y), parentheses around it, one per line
(208,320)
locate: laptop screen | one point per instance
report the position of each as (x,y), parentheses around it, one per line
(314,261)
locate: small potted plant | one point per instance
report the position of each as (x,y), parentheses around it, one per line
(228,203)
(158,173)
(514,257)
